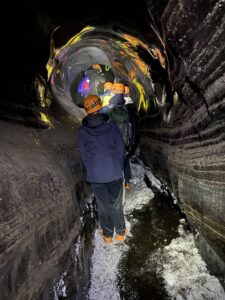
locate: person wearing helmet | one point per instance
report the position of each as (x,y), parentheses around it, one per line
(108,86)
(101,147)
(133,120)
(119,115)
(97,67)
(96,79)
(133,117)
(107,93)
(116,97)
(117,94)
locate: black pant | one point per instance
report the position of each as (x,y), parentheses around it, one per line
(110,210)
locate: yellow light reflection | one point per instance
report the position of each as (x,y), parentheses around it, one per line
(134,41)
(143,103)
(176,99)
(45,119)
(160,56)
(56,52)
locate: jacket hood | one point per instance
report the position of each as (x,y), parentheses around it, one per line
(97,124)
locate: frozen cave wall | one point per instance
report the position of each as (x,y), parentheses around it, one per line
(188,152)
(45,227)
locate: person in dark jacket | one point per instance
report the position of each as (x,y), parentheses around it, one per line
(101,146)
(116,97)
(120,116)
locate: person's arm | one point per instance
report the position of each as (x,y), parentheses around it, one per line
(105,109)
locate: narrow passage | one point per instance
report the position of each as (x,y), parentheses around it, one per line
(158,259)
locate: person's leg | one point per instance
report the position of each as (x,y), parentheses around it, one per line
(100,191)
(116,208)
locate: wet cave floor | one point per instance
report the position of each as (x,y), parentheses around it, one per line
(154,227)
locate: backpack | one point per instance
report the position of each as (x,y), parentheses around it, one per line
(120,116)
(125,129)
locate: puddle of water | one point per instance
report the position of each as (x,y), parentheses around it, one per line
(153,227)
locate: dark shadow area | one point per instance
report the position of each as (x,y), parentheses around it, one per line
(154,227)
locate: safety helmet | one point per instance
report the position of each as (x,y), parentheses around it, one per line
(118,88)
(127,90)
(97,67)
(108,85)
(92,104)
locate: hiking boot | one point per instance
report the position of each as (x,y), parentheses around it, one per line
(127,186)
(121,237)
(107,239)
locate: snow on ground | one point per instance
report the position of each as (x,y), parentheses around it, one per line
(141,170)
(137,197)
(106,257)
(185,273)
(104,269)
(180,264)
(59,288)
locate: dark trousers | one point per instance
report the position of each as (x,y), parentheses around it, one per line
(110,210)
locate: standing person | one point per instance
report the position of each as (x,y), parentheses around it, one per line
(106,97)
(96,79)
(116,97)
(101,147)
(119,115)
(107,93)
(133,118)
(133,144)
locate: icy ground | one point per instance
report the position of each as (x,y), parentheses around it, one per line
(184,272)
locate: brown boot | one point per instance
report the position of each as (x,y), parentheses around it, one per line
(127,186)
(121,237)
(107,239)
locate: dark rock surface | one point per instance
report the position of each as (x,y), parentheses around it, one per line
(188,152)
(42,195)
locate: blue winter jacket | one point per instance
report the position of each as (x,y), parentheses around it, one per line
(101,146)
